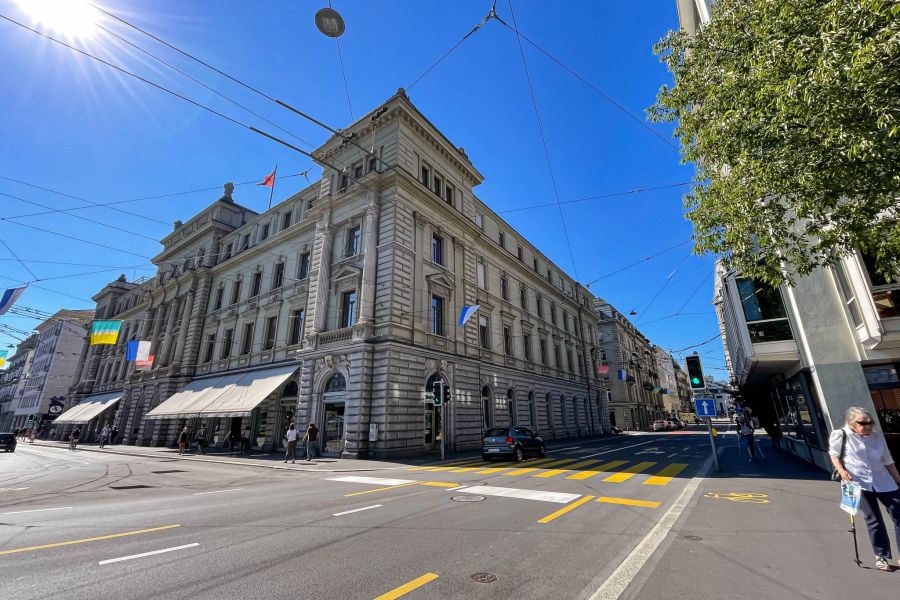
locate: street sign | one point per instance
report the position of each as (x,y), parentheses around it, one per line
(704,407)
(739,410)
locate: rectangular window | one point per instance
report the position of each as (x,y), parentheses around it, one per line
(557,355)
(278,276)
(352,247)
(764,311)
(426,175)
(286,220)
(348,309)
(885,289)
(519,252)
(437,315)
(227,254)
(210,346)
(220,297)
(373,164)
(303,271)
(271,331)
(523,297)
(438,185)
(504,287)
(549,275)
(540,307)
(566,321)
(484,333)
(247,342)
(437,249)
(480,273)
(479,220)
(535,265)
(297,322)
(236,292)
(245,242)
(569,363)
(448,194)
(553,313)
(255,284)
(507,340)
(526,340)
(501,239)
(847,291)
(345,181)
(226,343)
(310,205)
(264,233)
(544,352)
(358,171)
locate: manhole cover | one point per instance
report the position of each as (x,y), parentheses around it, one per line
(467,498)
(169,471)
(129,487)
(484,578)
(693,538)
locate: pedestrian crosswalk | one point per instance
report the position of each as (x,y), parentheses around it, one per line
(614,471)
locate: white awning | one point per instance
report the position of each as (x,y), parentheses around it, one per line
(89,408)
(233,395)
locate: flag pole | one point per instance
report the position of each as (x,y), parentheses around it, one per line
(272,191)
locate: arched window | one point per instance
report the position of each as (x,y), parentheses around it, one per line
(487,408)
(511,406)
(548,405)
(289,390)
(532,411)
(337,383)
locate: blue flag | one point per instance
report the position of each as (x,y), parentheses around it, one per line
(466,313)
(9,298)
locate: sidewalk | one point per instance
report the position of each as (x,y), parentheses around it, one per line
(266,460)
(796,545)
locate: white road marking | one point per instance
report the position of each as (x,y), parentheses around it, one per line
(616,584)
(19,512)
(620,448)
(143,554)
(490,490)
(12,489)
(347,512)
(219,491)
(371,480)
(561,449)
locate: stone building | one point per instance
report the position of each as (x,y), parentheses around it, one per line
(634,383)
(13,379)
(339,306)
(665,368)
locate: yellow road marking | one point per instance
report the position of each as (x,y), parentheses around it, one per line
(749,497)
(666,475)
(628,502)
(443,484)
(85,540)
(597,470)
(381,489)
(549,462)
(466,469)
(408,587)
(555,472)
(494,470)
(628,473)
(565,509)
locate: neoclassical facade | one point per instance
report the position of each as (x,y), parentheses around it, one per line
(340,306)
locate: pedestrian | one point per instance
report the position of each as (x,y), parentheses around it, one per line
(74,437)
(745,430)
(312,434)
(229,441)
(245,440)
(104,436)
(184,440)
(291,436)
(200,438)
(113,436)
(16,432)
(860,453)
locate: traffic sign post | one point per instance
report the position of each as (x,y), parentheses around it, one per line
(439,403)
(706,407)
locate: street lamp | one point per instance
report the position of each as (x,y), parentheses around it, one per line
(329,22)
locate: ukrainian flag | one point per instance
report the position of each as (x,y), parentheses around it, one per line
(105,332)
(3,355)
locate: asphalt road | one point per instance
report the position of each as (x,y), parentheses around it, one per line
(92,525)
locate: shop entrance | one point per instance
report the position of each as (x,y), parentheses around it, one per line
(334,399)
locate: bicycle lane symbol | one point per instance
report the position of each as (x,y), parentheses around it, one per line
(746,497)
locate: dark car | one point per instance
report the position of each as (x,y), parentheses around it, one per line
(511,442)
(7,442)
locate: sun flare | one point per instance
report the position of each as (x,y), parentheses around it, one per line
(71,18)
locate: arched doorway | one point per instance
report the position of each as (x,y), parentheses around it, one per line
(487,407)
(285,412)
(334,397)
(511,406)
(433,414)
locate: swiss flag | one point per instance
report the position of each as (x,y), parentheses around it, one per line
(268,180)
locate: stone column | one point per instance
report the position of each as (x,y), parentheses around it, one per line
(123,338)
(158,315)
(367,293)
(178,349)
(325,233)
(170,325)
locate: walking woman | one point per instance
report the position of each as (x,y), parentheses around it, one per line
(860,454)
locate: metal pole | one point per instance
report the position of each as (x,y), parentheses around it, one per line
(712,442)
(441,387)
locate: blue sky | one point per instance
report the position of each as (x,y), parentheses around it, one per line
(76,126)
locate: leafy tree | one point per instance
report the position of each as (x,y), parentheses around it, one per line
(790,110)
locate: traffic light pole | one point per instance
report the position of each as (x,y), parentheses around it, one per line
(712,442)
(440,385)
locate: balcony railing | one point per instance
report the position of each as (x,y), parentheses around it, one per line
(336,336)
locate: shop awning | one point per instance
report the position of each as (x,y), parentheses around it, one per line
(233,395)
(89,408)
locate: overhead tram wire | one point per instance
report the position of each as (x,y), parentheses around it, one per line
(645,259)
(662,288)
(177,95)
(40,287)
(596,89)
(16,256)
(537,115)
(344,73)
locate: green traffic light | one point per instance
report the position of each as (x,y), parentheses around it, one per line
(695,380)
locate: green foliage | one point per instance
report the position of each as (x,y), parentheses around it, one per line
(790,110)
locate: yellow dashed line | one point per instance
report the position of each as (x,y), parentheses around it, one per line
(601,469)
(381,489)
(666,475)
(628,502)
(443,484)
(565,509)
(408,587)
(555,472)
(85,540)
(628,473)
